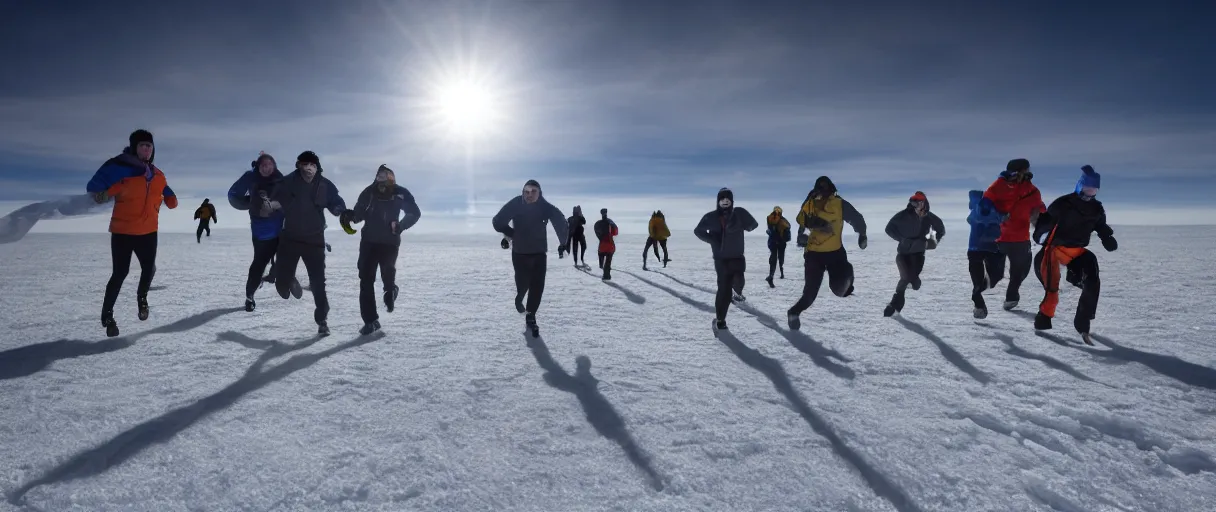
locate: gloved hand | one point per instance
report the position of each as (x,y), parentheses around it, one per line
(269,207)
(346,217)
(862,241)
(802,238)
(101,197)
(1110,244)
(506,243)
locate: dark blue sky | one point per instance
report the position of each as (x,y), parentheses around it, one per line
(629,103)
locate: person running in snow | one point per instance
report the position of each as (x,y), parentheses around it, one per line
(381,206)
(577,237)
(205,214)
(985,262)
(723,230)
(910,228)
(1014,196)
(302,197)
(251,192)
(139,188)
(824,213)
(778,236)
(522,223)
(605,230)
(1064,232)
(658,235)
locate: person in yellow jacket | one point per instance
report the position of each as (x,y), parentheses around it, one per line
(778,236)
(824,213)
(658,238)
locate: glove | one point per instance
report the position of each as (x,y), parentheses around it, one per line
(346,217)
(862,241)
(269,207)
(1110,244)
(802,239)
(931,244)
(101,197)
(506,243)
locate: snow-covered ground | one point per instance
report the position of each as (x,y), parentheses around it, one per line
(631,404)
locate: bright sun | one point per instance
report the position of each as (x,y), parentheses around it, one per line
(466,108)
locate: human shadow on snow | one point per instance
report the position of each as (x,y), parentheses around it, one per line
(30,359)
(633,297)
(694,303)
(164,427)
(600,413)
(710,291)
(1047,360)
(772,369)
(1182,371)
(947,351)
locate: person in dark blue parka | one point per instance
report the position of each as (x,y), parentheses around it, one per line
(985,261)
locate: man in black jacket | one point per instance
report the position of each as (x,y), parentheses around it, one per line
(723,230)
(303,196)
(910,228)
(522,221)
(381,206)
(578,238)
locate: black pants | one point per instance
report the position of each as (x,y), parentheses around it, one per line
(981,264)
(776,256)
(529,278)
(121,249)
(606,264)
(289,254)
(730,278)
(203,225)
(650,242)
(909,266)
(263,252)
(840,277)
(1019,266)
(373,257)
(576,242)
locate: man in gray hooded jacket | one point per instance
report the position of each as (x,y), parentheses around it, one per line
(522,221)
(387,209)
(910,227)
(723,230)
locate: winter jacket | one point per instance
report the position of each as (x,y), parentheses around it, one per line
(1017,201)
(138,189)
(605,229)
(577,223)
(246,194)
(1070,220)
(912,231)
(525,224)
(825,218)
(723,231)
(658,227)
(985,224)
(778,230)
(206,213)
(378,211)
(304,206)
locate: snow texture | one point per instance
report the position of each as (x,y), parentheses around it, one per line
(626,402)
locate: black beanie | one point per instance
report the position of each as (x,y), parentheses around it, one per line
(1017,164)
(725,192)
(308,157)
(138,136)
(824,185)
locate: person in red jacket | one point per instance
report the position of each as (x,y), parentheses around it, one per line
(605,230)
(1019,202)
(138,189)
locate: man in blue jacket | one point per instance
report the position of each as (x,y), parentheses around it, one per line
(522,222)
(302,197)
(985,261)
(251,192)
(380,206)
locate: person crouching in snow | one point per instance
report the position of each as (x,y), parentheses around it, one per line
(985,262)
(605,230)
(380,206)
(910,228)
(1064,232)
(522,222)
(723,230)
(778,236)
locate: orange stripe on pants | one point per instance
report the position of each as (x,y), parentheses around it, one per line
(1053,259)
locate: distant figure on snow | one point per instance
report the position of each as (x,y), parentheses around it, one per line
(251,192)
(1018,200)
(522,222)
(605,230)
(139,188)
(824,213)
(1064,233)
(205,214)
(778,236)
(577,237)
(985,262)
(658,235)
(723,230)
(388,209)
(910,228)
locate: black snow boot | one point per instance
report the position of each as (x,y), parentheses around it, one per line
(107,321)
(143,308)
(530,322)
(323,329)
(390,298)
(250,304)
(1042,322)
(370,328)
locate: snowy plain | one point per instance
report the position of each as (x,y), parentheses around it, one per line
(631,404)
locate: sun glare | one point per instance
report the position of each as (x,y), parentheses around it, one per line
(466,108)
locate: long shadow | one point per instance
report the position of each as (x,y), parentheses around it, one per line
(1182,371)
(710,291)
(819,354)
(696,304)
(947,351)
(1028,315)
(30,359)
(772,369)
(633,297)
(164,427)
(599,411)
(1055,338)
(1047,360)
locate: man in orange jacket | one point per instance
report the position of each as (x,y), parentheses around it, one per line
(138,189)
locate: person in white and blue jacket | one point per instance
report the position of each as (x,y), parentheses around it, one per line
(985,261)
(386,209)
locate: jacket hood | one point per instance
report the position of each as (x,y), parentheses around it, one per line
(974,198)
(578,211)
